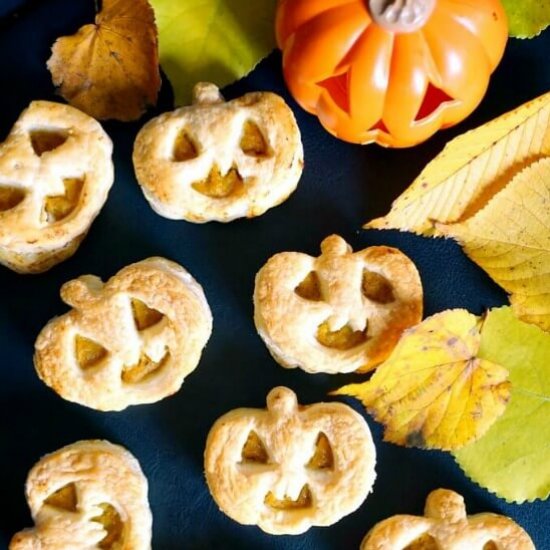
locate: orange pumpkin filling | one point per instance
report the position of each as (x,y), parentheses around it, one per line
(145,316)
(304,500)
(88,353)
(425,542)
(342,339)
(377,288)
(252,140)
(310,288)
(43,141)
(218,186)
(10,197)
(323,458)
(64,498)
(59,207)
(112,523)
(144,368)
(184,148)
(254,450)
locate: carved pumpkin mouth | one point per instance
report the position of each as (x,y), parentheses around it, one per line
(302,502)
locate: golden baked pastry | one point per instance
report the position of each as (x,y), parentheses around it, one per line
(217,161)
(447,527)
(340,312)
(91,494)
(291,467)
(129,341)
(55,174)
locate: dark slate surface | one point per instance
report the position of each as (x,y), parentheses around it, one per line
(342,186)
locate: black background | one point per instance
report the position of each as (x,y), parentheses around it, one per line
(342,186)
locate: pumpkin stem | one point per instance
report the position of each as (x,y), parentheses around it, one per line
(401,16)
(206,93)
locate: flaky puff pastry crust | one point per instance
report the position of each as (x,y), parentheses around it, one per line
(447,527)
(88,495)
(55,175)
(213,130)
(374,295)
(129,341)
(292,482)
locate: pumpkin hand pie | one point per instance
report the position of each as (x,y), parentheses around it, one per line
(129,341)
(445,526)
(290,467)
(55,175)
(340,312)
(91,494)
(217,160)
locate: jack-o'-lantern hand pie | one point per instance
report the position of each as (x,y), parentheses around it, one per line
(88,495)
(290,467)
(217,160)
(445,526)
(55,175)
(340,312)
(129,341)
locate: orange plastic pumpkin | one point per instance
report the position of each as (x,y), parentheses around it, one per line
(392,72)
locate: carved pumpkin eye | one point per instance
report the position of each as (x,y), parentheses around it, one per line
(425,542)
(64,498)
(10,197)
(254,450)
(253,142)
(184,148)
(433,98)
(310,288)
(43,141)
(322,458)
(338,89)
(112,523)
(88,353)
(377,288)
(59,207)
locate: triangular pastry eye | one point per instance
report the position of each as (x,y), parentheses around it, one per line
(10,197)
(310,288)
(144,316)
(424,542)
(377,288)
(88,353)
(184,148)
(254,450)
(322,458)
(64,498)
(252,140)
(112,523)
(43,141)
(59,207)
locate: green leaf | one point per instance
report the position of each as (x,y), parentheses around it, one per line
(216,41)
(513,458)
(527,18)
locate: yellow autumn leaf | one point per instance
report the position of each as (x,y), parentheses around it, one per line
(110,69)
(434,391)
(510,240)
(471,169)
